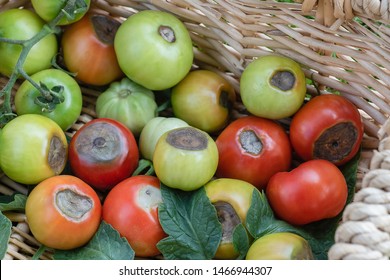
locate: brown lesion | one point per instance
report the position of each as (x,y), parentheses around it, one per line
(73,205)
(105,28)
(250,142)
(284,80)
(57,155)
(187,138)
(228,218)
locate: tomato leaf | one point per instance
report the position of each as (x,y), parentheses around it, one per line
(105,245)
(14,202)
(192,225)
(240,241)
(5,229)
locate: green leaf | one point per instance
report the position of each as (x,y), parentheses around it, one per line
(192,225)
(240,241)
(14,202)
(5,229)
(105,245)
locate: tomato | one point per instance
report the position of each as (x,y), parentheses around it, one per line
(153,130)
(253,149)
(88,49)
(185,158)
(48,10)
(154,49)
(328,127)
(32,148)
(103,152)
(64,114)
(280,246)
(23,24)
(63,212)
(313,191)
(273,87)
(203,99)
(127,102)
(131,207)
(232,199)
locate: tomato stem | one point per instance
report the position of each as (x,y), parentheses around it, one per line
(142,165)
(39,252)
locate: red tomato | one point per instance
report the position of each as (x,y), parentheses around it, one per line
(103,152)
(252,149)
(88,49)
(313,191)
(63,212)
(327,127)
(131,207)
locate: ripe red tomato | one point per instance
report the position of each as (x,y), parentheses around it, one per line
(88,49)
(131,207)
(253,149)
(63,212)
(327,127)
(313,191)
(103,152)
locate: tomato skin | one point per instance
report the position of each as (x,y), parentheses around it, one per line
(93,59)
(203,99)
(131,207)
(322,113)
(103,152)
(235,161)
(313,191)
(23,24)
(32,148)
(66,113)
(48,222)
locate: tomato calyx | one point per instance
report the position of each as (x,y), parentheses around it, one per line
(105,28)
(72,205)
(57,155)
(167,33)
(336,142)
(187,138)
(250,142)
(228,218)
(284,80)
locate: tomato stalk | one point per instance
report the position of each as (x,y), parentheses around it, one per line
(70,9)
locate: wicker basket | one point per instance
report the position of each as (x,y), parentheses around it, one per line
(338,51)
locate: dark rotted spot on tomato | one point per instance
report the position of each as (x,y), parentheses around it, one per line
(336,142)
(224,100)
(105,28)
(228,218)
(99,142)
(283,80)
(250,142)
(57,155)
(187,138)
(167,33)
(73,205)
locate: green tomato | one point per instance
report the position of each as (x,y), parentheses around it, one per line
(49,9)
(64,114)
(185,158)
(154,49)
(23,24)
(129,103)
(32,148)
(153,130)
(273,87)
(232,199)
(280,246)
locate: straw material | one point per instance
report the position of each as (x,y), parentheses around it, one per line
(342,45)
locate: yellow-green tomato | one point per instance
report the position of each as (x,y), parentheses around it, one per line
(32,148)
(153,130)
(185,158)
(232,199)
(280,246)
(203,99)
(273,87)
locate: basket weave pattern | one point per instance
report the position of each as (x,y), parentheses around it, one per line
(337,52)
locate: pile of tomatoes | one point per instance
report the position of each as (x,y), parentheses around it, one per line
(94,175)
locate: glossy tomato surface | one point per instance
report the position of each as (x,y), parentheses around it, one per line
(253,149)
(103,152)
(327,127)
(63,212)
(313,191)
(131,207)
